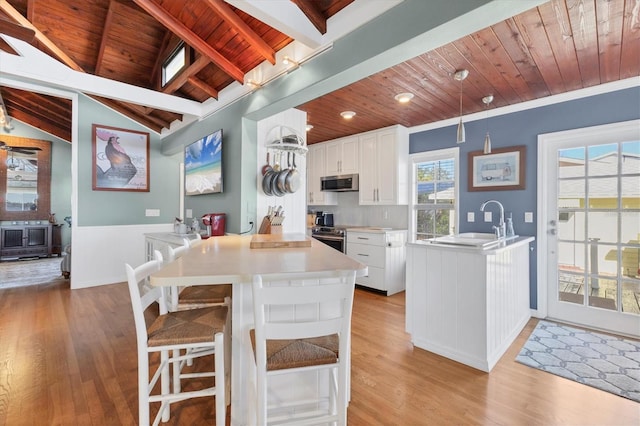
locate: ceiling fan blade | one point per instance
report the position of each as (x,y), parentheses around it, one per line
(20,150)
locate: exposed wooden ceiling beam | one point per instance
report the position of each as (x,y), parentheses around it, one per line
(182,78)
(278,15)
(203,86)
(191,38)
(61,55)
(315,16)
(17,31)
(103,41)
(147,120)
(154,79)
(257,42)
(5,47)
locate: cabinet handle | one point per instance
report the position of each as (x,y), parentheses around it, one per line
(365,255)
(362,238)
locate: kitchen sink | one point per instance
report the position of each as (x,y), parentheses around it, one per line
(471,239)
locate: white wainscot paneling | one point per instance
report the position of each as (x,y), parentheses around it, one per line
(467,305)
(99,253)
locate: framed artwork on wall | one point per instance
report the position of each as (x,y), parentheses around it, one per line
(503,169)
(203,165)
(120,159)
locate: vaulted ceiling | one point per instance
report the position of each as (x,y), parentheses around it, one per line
(560,46)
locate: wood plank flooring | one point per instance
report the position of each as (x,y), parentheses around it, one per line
(69,358)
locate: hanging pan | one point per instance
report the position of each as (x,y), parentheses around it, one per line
(267,178)
(292,181)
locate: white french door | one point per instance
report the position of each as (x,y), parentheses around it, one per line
(589,227)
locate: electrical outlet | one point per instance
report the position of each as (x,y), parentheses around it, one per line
(528,217)
(488,217)
(471,217)
(189,213)
(152,212)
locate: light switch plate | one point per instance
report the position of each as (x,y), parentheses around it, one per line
(488,217)
(152,212)
(528,217)
(189,213)
(471,217)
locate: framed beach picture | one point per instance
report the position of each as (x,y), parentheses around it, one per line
(503,169)
(120,159)
(203,165)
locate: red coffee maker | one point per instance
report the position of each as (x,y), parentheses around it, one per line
(214,224)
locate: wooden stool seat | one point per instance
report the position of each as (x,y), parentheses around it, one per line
(284,354)
(186,327)
(204,294)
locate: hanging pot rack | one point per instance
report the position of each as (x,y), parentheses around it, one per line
(283,138)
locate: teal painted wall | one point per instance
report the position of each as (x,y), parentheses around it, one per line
(235,157)
(96,208)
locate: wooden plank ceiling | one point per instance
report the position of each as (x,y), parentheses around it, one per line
(560,46)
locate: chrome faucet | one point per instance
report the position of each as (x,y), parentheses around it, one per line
(500,230)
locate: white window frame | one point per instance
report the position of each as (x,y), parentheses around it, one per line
(174,63)
(426,156)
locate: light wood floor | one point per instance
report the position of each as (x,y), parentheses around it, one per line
(69,358)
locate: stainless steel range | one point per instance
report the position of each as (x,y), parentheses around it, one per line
(333,236)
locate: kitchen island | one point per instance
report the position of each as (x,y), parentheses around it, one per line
(229,259)
(467,303)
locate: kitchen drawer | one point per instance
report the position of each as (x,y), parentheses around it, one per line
(374,279)
(376,239)
(367,254)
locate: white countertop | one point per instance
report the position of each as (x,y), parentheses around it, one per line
(507,245)
(229,259)
(373,229)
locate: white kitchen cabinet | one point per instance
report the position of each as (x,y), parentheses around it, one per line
(466,303)
(384,253)
(316,168)
(384,157)
(342,156)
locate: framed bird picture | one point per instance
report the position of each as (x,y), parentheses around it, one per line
(120,159)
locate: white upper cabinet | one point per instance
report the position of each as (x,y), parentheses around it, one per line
(384,157)
(342,156)
(316,168)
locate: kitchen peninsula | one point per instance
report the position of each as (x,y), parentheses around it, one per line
(465,302)
(230,259)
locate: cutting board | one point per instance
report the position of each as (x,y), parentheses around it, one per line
(279,241)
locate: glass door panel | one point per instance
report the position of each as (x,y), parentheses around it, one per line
(593,234)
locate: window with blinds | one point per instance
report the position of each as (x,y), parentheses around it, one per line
(434,201)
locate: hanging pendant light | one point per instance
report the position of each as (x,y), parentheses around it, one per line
(460,75)
(487,140)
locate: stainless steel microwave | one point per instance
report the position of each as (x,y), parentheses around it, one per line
(341,183)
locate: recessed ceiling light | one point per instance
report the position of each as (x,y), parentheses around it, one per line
(347,115)
(403,98)
(309,127)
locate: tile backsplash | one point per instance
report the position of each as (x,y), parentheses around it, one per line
(349,212)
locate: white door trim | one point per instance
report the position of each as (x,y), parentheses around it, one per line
(630,129)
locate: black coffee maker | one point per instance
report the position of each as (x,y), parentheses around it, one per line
(324,219)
